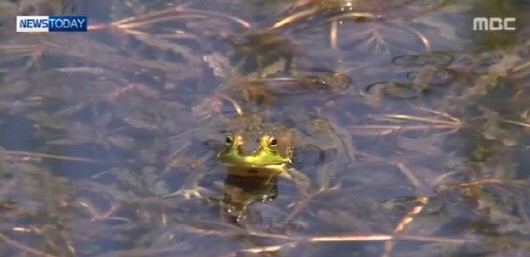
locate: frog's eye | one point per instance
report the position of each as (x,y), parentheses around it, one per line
(273,141)
(229,140)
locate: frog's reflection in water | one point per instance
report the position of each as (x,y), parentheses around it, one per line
(242,190)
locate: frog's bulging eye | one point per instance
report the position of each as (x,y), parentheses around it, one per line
(273,141)
(228,140)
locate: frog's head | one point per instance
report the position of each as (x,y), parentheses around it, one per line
(269,148)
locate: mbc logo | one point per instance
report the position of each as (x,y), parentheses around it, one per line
(493,23)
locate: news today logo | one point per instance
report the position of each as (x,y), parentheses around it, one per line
(52,23)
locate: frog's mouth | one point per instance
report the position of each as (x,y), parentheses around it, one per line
(263,156)
(276,167)
(260,160)
(255,170)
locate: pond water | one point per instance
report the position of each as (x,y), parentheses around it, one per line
(410,125)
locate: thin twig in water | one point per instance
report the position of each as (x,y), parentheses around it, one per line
(294,18)
(421,201)
(179,12)
(526,125)
(22,247)
(49,156)
(417,118)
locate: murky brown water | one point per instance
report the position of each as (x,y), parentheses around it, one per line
(413,129)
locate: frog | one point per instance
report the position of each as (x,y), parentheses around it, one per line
(255,147)
(257,151)
(246,145)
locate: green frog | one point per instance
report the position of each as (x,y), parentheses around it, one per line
(256,147)
(255,154)
(249,146)
(257,151)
